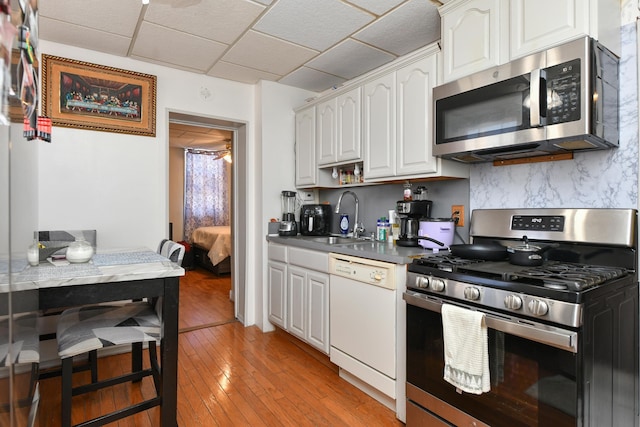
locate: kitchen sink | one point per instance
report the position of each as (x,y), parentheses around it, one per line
(335,240)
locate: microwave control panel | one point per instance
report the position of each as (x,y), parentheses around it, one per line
(563,92)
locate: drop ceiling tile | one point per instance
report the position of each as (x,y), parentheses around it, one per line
(267,2)
(350,59)
(265,53)
(225,70)
(310,79)
(113,16)
(220,20)
(174,47)
(65,33)
(409,27)
(312,23)
(379,7)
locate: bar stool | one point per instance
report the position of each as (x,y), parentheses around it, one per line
(23,350)
(88,328)
(172,250)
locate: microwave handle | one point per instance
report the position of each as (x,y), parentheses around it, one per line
(537,98)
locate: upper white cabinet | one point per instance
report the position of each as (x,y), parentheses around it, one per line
(380,123)
(414,114)
(398,125)
(380,127)
(339,127)
(350,125)
(327,131)
(474,36)
(545,23)
(479,34)
(306,167)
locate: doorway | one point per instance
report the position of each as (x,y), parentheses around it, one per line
(212,134)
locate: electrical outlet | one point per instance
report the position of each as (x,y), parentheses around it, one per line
(306,196)
(457,212)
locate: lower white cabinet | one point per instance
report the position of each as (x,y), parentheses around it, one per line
(308,306)
(277,293)
(298,294)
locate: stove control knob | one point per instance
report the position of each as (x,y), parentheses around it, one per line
(437,285)
(538,307)
(422,282)
(513,302)
(472,294)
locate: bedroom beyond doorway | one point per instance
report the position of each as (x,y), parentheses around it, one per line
(219,140)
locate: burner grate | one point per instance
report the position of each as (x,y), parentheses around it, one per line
(574,277)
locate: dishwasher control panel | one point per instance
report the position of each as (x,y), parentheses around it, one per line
(364,270)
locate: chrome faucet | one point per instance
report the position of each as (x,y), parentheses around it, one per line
(357,227)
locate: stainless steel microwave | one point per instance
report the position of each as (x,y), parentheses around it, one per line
(559,100)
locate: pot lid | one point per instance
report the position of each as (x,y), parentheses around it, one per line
(436,220)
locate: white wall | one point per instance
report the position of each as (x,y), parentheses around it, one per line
(117,183)
(276,137)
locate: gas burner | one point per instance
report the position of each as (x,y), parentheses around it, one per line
(445,262)
(572,276)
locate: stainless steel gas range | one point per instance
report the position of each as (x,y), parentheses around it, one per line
(562,336)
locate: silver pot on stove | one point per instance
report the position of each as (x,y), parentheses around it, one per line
(527,254)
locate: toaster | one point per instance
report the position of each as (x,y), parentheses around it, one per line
(315,220)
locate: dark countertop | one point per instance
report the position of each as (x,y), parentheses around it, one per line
(379,251)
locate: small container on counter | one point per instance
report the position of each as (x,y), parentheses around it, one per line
(33,254)
(344,224)
(382,229)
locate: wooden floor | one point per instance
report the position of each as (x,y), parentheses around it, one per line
(204,299)
(231,375)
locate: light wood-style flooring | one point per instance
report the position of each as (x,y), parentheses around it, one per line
(204,300)
(230,375)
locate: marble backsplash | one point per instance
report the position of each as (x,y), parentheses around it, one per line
(600,179)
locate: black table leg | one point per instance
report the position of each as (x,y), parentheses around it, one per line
(169,352)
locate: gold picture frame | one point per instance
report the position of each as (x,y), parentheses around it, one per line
(88,96)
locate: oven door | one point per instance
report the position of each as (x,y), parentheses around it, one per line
(534,373)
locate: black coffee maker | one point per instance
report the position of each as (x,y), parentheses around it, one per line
(410,213)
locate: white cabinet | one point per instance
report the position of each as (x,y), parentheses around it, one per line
(350,125)
(398,125)
(339,126)
(308,302)
(277,284)
(474,36)
(298,293)
(327,132)
(277,273)
(381,123)
(415,117)
(306,168)
(380,127)
(545,23)
(480,34)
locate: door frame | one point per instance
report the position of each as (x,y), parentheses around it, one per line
(238,204)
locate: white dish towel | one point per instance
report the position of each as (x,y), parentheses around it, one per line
(466,349)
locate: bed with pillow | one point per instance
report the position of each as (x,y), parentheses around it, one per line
(212,248)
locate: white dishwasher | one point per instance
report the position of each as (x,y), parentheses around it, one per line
(362,317)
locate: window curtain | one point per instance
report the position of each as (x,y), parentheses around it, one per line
(206,192)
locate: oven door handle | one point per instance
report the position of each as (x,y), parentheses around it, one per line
(544,334)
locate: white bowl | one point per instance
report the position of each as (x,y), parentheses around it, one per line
(79,251)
